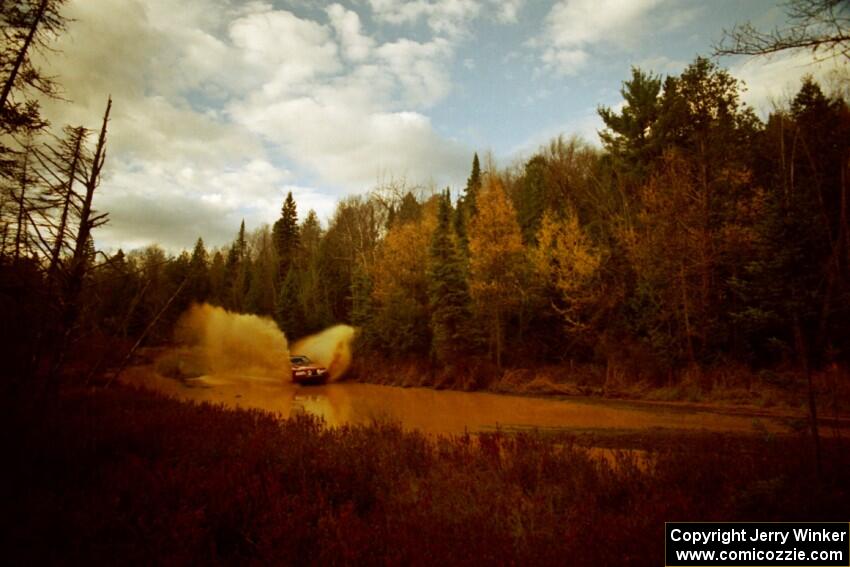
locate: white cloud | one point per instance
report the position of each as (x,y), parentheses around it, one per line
(286,49)
(214,103)
(449,18)
(776,79)
(566,61)
(352,148)
(308,199)
(445,17)
(151,202)
(365,121)
(574,27)
(507,11)
(585,126)
(663,65)
(419,68)
(346,24)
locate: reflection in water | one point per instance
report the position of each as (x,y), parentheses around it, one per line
(435,411)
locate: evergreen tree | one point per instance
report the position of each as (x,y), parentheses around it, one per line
(290,315)
(447,291)
(29,27)
(467,206)
(628,135)
(261,298)
(286,236)
(198,286)
(217,273)
(362,306)
(313,296)
(532,198)
(459,223)
(310,234)
(409,210)
(236,272)
(473,187)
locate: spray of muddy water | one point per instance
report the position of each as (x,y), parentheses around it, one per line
(234,342)
(331,348)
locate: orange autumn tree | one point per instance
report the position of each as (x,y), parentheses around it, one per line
(400,284)
(567,262)
(497,263)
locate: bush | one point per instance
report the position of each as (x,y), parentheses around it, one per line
(122,475)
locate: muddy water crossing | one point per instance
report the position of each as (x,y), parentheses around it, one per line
(442,412)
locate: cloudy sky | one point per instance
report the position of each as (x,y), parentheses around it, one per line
(221,106)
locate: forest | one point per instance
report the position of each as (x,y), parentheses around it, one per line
(696,248)
(697,237)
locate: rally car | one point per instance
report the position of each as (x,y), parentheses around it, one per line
(306,372)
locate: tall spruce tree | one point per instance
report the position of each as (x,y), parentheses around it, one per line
(236,272)
(473,188)
(448,293)
(531,201)
(199,277)
(286,236)
(290,314)
(467,206)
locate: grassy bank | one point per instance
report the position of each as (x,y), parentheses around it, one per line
(124,475)
(722,384)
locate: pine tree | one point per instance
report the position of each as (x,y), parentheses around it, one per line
(290,315)
(409,210)
(467,206)
(236,270)
(261,298)
(532,198)
(473,187)
(286,236)
(313,296)
(459,223)
(217,273)
(198,286)
(627,136)
(447,291)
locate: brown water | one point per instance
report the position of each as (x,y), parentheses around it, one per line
(441,412)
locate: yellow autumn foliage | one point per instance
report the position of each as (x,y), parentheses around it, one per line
(567,260)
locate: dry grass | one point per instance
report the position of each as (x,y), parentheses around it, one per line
(125,476)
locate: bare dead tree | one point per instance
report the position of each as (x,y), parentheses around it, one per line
(62,165)
(821,26)
(80,259)
(22,192)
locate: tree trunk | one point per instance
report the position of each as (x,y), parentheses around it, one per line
(20,233)
(498,337)
(686,315)
(813,415)
(77,269)
(63,220)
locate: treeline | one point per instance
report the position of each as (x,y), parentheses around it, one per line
(47,218)
(697,236)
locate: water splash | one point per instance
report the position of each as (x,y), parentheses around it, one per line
(235,342)
(331,348)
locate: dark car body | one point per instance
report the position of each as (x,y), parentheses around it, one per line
(306,372)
